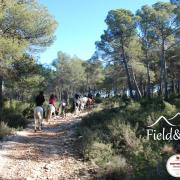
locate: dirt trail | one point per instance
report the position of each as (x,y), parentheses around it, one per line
(50,154)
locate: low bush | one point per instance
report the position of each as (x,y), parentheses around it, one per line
(121,132)
(117,168)
(124,137)
(4,129)
(169,109)
(98,100)
(14,115)
(133,106)
(15,105)
(99,153)
(28,111)
(14,119)
(112,102)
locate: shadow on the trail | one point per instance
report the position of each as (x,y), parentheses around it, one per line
(53,141)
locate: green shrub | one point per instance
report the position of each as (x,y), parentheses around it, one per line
(4,129)
(98,100)
(144,163)
(123,137)
(169,109)
(99,153)
(112,102)
(172,97)
(126,99)
(152,104)
(133,106)
(121,132)
(117,168)
(6,103)
(29,111)
(15,105)
(97,118)
(176,102)
(14,119)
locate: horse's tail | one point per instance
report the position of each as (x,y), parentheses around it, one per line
(39,115)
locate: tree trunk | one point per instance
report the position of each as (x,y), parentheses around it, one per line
(148,81)
(147,62)
(178,86)
(141,87)
(65,96)
(152,90)
(126,69)
(173,86)
(87,79)
(163,78)
(165,71)
(144,90)
(136,86)
(1,97)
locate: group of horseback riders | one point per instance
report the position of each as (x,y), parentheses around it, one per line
(40,99)
(79,102)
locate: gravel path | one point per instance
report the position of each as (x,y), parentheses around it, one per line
(50,154)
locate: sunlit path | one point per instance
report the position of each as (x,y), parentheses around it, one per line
(52,153)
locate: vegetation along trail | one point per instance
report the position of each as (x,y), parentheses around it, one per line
(52,153)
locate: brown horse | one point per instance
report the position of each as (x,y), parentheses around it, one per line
(90,102)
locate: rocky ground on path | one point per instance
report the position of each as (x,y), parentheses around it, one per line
(52,153)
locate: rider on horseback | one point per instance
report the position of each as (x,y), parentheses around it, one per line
(76,102)
(63,106)
(38,111)
(40,99)
(90,100)
(90,95)
(52,100)
(51,110)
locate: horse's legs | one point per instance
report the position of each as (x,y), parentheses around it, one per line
(82,106)
(40,121)
(48,115)
(64,113)
(35,124)
(77,110)
(40,124)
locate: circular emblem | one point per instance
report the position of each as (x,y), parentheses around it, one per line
(173,165)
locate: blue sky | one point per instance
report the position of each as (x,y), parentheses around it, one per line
(81,23)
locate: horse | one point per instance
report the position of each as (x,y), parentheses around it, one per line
(82,102)
(62,109)
(50,111)
(90,102)
(38,118)
(77,105)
